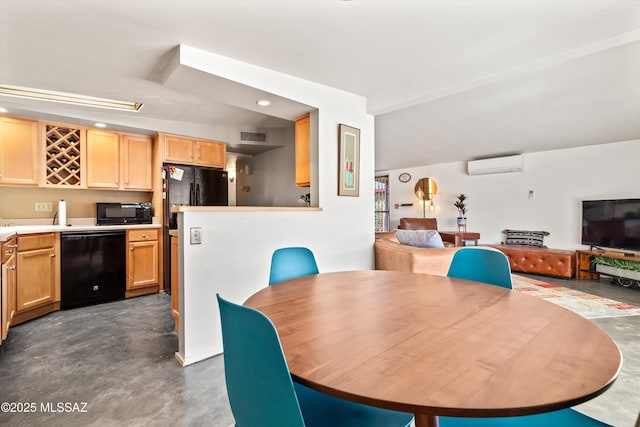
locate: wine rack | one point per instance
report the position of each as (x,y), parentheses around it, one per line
(63,156)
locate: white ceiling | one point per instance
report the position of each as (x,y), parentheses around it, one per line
(447,80)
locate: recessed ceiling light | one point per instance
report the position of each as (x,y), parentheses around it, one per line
(69,98)
(3,110)
(100,125)
(264,102)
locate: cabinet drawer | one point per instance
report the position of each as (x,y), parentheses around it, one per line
(142,235)
(8,248)
(36,241)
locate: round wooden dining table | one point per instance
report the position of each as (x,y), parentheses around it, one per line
(436,346)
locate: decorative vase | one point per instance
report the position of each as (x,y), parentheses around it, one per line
(462,223)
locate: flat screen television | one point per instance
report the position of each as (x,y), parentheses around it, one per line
(611,223)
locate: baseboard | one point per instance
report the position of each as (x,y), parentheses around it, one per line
(207,354)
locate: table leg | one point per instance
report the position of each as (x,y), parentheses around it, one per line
(423,420)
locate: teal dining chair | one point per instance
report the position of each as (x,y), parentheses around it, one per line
(486,265)
(289,263)
(259,385)
(562,418)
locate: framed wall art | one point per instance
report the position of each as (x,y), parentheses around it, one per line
(348,161)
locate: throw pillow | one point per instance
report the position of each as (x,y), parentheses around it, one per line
(420,238)
(526,238)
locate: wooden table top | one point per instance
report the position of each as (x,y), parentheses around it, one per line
(432,345)
(470,235)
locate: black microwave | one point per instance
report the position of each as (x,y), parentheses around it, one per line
(123,213)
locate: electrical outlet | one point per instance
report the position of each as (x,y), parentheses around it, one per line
(196,235)
(44,206)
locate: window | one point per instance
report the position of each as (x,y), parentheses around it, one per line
(382,203)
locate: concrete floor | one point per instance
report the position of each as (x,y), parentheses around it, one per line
(620,405)
(116,357)
(119,359)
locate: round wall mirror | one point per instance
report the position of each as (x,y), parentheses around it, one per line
(426,188)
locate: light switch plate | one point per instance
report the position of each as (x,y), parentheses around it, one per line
(196,236)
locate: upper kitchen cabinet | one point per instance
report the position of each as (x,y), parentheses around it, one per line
(136,162)
(103,159)
(63,147)
(177,149)
(110,154)
(210,153)
(190,151)
(303,158)
(18,151)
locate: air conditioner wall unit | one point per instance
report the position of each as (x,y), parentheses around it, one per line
(496,165)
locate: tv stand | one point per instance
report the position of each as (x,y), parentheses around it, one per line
(584,267)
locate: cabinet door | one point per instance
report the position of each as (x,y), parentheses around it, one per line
(174,282)
(178,149)
(142,264)
(18,151)
(303,160)
(35,279)
(8,294)
(136,162)
(210,153)
(103,159)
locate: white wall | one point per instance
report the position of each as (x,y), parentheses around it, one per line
(234,256)
(559,179)
(273,181)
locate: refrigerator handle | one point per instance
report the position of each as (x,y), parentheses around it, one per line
(197,194)
(191,193)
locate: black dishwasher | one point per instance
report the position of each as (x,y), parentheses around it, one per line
(92,268)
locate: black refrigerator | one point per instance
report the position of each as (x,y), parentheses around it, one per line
(185,185)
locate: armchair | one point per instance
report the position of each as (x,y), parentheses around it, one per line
(449,239)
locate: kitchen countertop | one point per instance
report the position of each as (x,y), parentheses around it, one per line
(245,208)
(7,232)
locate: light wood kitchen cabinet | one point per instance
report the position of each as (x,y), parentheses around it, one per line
(110,154)
(19,152)
(136,162)
(8,281)
(103,159)
(303,151)
(36,271)
(191,151)
(63,147)
(175,284)
(210,153)
(178,149)
(142,259)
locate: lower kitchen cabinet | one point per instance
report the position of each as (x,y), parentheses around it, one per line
(37,286)
(8,282)
(142,262)
(175,284)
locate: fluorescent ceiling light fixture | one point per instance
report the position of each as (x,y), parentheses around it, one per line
(68,98)
(263,102)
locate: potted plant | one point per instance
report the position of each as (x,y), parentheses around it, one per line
(618,268)
(461,205)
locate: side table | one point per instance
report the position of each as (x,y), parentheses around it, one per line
(465,236)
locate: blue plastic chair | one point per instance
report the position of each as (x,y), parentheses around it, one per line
(260,389)
(486,265)
(289,263)
(562,418)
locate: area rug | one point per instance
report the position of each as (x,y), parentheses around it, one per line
(586,305)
